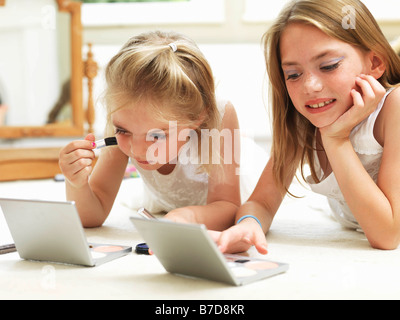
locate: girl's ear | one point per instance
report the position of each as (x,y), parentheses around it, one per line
(377,65)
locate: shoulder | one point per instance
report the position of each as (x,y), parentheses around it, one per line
(391,109)
(394,97)
(389,117)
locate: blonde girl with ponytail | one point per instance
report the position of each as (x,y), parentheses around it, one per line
(161,107)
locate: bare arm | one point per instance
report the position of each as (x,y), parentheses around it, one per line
(223,190)
(94,193)
(375,206)
(263,204)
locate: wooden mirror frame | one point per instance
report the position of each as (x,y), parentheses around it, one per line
(42,163)
(61,130)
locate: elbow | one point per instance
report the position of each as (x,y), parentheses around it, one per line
(89,221)
(92,224)
(385,238)
(385,247)
(387,243)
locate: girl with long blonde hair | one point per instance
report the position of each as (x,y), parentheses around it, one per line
(336,108)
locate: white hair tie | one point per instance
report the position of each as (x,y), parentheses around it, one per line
(173,47)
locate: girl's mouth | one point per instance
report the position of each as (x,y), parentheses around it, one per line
(143,162)
(321,104)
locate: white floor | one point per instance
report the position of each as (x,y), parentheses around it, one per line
(326,261)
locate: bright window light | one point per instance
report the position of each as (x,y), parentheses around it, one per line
(262,11)
(150,13)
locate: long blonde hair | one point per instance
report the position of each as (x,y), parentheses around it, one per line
(293,135)
(176,80)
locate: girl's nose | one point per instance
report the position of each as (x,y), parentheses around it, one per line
(138,147)
(312,84)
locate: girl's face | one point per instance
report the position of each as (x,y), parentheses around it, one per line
(320,72)
(150,142)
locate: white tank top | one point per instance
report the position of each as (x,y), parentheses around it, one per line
(183,187)
(369,152)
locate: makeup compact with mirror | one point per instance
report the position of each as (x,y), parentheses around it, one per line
(52,231)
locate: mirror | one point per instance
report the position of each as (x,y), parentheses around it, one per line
(41,69)
(41,78)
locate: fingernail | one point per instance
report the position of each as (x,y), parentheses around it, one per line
(93,145)
(264,250)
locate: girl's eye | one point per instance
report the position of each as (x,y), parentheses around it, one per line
(331,67)
(292,76)
(156,136)
(119,131)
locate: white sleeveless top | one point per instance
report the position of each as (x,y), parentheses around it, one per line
(369,152)
(181,188)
